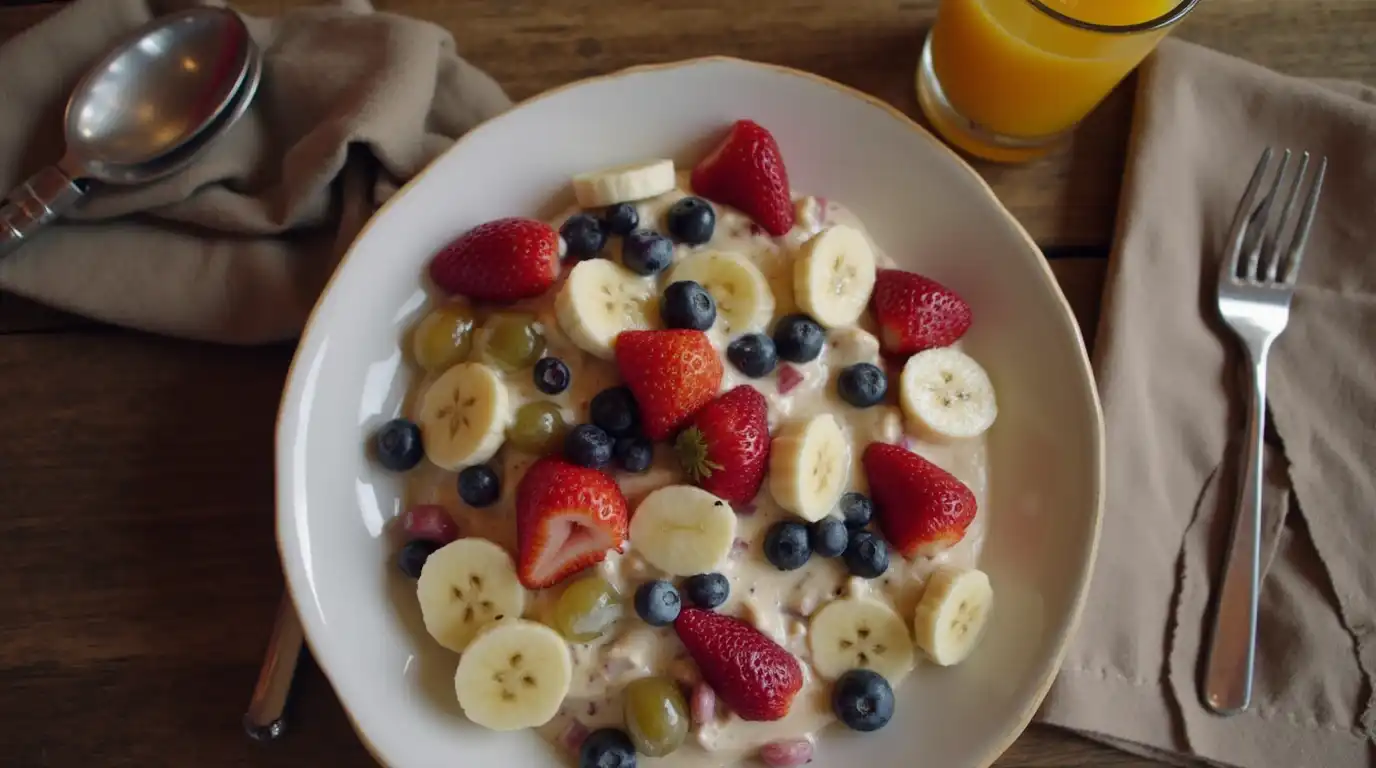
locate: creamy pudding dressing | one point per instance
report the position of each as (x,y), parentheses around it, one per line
(779,603)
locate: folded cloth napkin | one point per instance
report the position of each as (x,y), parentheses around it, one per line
(1170,376)
(237,247)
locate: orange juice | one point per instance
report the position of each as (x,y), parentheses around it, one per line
(1014,71)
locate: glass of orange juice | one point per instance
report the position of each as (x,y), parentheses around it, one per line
(1005,79)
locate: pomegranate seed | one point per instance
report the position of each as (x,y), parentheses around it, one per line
(786,754)
(573,736)
(704,704)
(789,377)
(429,522)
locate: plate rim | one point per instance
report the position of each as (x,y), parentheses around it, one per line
(1024,719)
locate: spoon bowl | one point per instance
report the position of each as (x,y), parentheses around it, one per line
(182,156)
(159,90)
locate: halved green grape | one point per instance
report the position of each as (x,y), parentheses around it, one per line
(656,715)
(443,337)
(538,428)
(513,340)
(587,609)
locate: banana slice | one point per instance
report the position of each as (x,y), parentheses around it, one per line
(809,466)
(465,585)
(624,183)
(463,416)
(852,633)
(834,275)
(599,300)
(514,675)
(744,301)
(947,392)
(683,530)
(954,608)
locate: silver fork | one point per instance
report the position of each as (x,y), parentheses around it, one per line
(1255,285)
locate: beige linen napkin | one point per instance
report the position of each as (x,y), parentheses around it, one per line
(237,247)
(1170,380)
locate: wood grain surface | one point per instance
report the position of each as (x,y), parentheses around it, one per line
(136,472)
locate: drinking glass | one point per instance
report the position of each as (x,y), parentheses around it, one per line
(1005,79)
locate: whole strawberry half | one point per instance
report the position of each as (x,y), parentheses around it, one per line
(746,171)
(725,449)
(916,312)
(671,373)
(502,260)
(922,508)
(751,673)
(567,518)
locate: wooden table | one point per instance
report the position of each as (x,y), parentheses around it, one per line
(136,526)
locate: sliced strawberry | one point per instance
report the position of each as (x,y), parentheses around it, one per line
(922,508)
(746,171)
(750,673)
(916,312)
(567,518)
(671,373)
(725,450)
(502,260)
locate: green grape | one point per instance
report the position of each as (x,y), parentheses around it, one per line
(514,340)
(586,609)
(443,337)
(656,715)
(538,428)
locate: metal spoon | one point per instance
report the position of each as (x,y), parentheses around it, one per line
(146,110)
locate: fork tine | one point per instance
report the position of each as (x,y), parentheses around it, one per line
(1261,221)
(1301,236)
(1239,228)
(1274,252)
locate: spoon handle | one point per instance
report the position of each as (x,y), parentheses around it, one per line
(263,721)
(33,205)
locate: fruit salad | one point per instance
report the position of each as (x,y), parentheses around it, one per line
(692,471)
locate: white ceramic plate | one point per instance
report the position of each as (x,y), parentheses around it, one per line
(927,209)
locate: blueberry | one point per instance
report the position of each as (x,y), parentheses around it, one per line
(786,546)
(857,510)
(479,486)
(412,557)
(615,411)
(634,454)
(799,338)
(647,253)
(607,748)
(829,537)
(399,447)
(583,235)
(753,355)
(658,603)
(691,220)
(551,375)
(867,556)
(862,385)
(863,700)
(687,304)
(707,590)
(587,445)
(621,219)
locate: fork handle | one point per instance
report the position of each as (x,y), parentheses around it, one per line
(1232,650)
